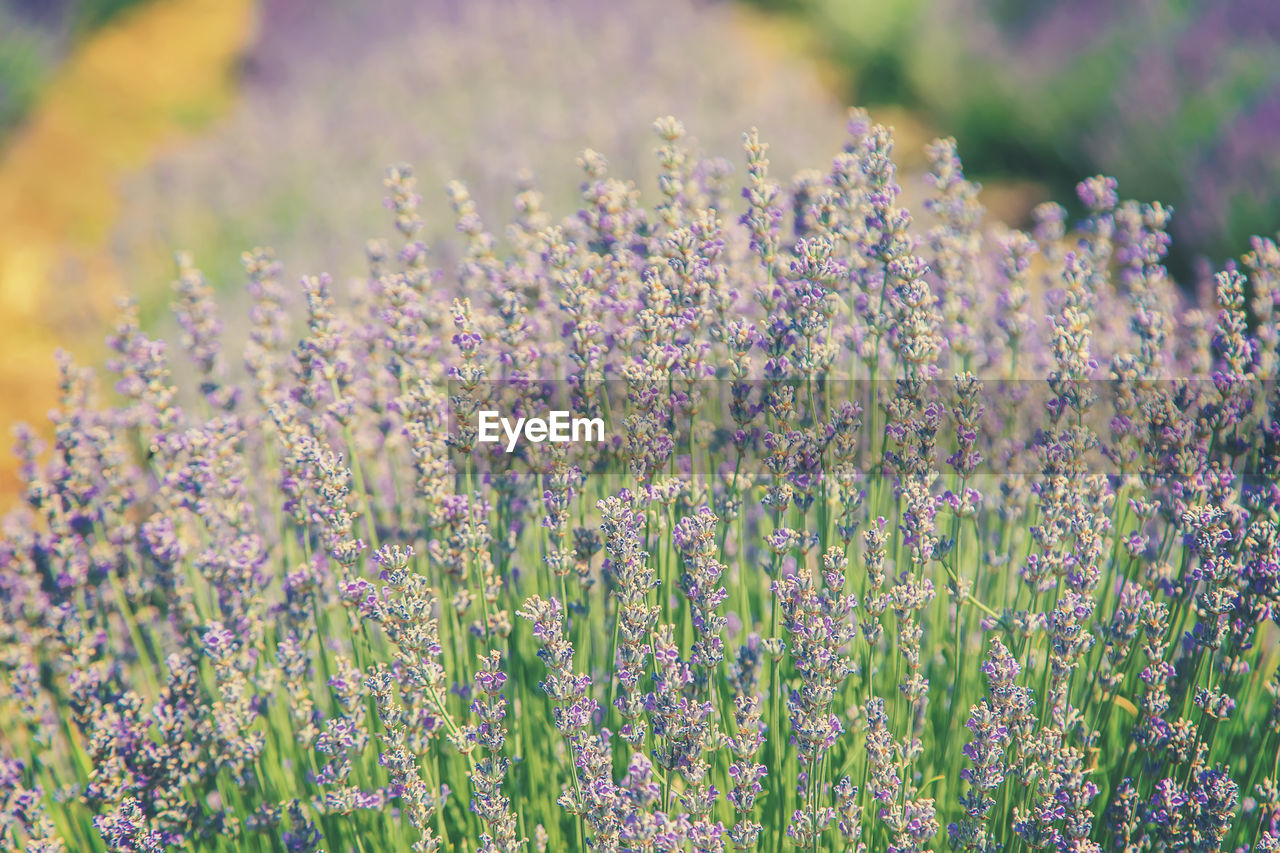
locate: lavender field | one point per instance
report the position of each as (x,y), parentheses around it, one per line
(906,530)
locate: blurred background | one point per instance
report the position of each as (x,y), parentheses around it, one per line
(133,128)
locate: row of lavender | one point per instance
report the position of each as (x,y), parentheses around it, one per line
(299,607)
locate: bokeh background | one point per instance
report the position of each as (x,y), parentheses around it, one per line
(133,128)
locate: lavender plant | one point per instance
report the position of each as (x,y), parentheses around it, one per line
(550,77)
(898,536)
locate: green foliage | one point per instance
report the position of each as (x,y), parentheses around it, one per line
(24,63)
(1154,94)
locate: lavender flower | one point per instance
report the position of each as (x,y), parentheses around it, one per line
(276,609)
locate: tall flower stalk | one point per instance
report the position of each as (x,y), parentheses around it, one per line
(888,528)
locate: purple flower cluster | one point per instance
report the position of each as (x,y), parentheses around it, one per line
(844,481)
